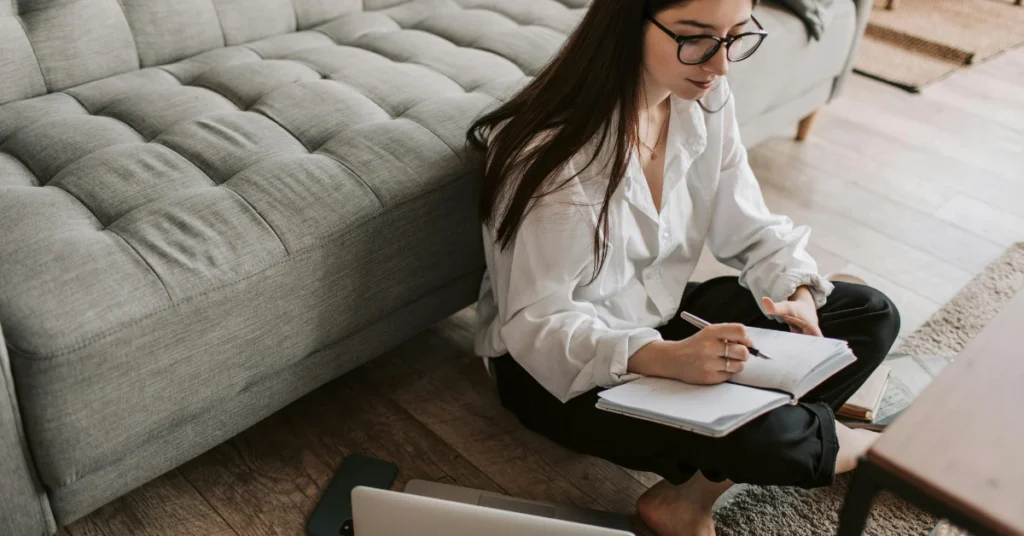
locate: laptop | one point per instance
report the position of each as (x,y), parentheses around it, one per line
(378,512)
(478,497)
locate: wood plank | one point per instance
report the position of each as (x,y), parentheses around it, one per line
(166,506)
(958,103)
(1008,66)
(83,527)
(450,392)
(828,262)
(257,480)
(998,226)
(961,135)
(646,478)
(816,188)
(358,417)
(912,268)
(884,166)
(921,177)
(268,479)
(992,97)
(979,469)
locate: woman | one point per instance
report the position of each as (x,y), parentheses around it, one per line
(604,178)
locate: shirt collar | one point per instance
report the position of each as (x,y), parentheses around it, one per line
(686,141)
(687,128)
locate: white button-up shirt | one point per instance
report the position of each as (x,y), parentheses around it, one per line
(536,305)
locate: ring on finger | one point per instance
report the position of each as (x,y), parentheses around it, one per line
(726,350)
(727,361)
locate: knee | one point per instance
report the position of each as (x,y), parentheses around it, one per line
(883,319)
(789,446)
(878,321)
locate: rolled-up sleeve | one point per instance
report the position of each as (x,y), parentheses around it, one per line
(559,339)
(770,252)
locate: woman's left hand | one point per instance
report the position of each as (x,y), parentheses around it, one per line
(799,312)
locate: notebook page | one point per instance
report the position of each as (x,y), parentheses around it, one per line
(678,401)
(794,355)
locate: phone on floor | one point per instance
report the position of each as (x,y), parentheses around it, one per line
(333,514)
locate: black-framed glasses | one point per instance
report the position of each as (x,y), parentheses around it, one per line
(697,49)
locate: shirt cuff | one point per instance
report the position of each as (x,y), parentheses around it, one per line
(790,281)
(617,372)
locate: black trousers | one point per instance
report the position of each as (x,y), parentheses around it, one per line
(793,445)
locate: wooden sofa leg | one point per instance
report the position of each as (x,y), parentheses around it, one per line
(804,127)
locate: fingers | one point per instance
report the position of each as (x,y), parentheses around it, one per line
(735,366)
(776,308)
(715,371)
(731,332)
(801,326)
(795,321)
(737,352)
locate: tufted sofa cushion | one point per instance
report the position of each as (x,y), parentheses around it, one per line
(171,236)
(169,182)
(52,45)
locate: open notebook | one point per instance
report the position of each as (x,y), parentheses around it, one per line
(798,364)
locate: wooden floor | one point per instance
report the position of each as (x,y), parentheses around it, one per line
(915,194)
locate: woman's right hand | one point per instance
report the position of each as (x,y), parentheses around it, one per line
(698,359)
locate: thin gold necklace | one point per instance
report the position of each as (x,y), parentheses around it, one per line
(654,154)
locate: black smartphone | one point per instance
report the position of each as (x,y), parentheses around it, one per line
(333,514)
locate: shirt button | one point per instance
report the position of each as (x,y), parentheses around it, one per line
(665,235)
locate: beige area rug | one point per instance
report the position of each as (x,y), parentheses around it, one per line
(764,511)
(921,41)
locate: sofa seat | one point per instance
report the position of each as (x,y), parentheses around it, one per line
(172,237)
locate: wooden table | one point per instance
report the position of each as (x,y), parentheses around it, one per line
(958,450)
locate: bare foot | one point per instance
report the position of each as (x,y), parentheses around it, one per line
(676,510)
(853,443)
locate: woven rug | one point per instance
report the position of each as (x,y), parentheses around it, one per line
(763,511)
(921,41)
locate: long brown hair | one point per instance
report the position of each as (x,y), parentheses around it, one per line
(571,102)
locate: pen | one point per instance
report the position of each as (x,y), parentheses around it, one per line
(700,323)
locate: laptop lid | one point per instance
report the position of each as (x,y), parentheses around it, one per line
(378,512)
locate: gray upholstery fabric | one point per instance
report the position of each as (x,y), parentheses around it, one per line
(788,65)
(70,52)
(184,232)
(21,76)
(24,509)
(195,231)
(169,31)
(251,397)
(816,14)
(783,118)
(52,45)
(863,12)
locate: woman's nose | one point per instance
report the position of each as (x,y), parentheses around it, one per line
(719,63)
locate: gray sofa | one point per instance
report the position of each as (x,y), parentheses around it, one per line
(208,208)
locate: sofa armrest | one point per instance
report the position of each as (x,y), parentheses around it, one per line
(24,506)
(863,9)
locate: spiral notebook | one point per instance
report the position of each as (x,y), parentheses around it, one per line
(799,363)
